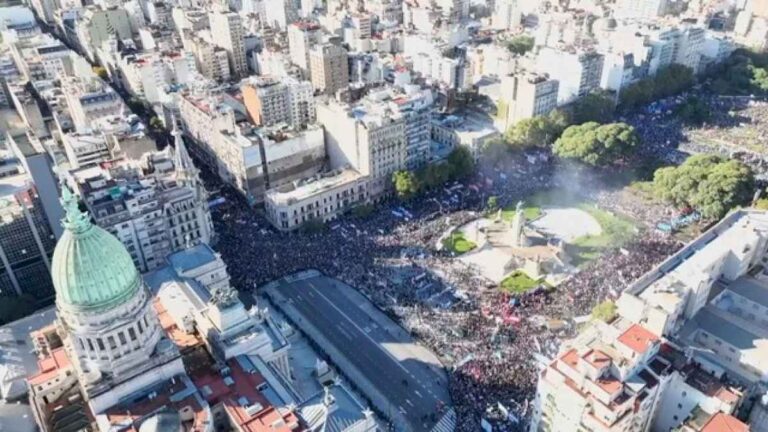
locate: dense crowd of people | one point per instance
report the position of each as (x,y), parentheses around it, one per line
(736,127)
(492,343)
(485,338)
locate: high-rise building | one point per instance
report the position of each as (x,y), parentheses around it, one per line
(228,33)
(577,72)
(370,137)
(507,15)
(152,214)
(302,35)
(270,102)
(647,9)
(527,95)
(212,60)
(26,237)
(329,68)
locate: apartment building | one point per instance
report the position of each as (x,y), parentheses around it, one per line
(90,99)
(270,101)
(212,60)
(526,95)
(227,32)
(252,159)
(84,150)
(577,72)
(688,344)
(329,68)
(369,137)
(302,36)
(153,214)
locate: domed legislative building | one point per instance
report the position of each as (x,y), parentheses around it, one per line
(109,339)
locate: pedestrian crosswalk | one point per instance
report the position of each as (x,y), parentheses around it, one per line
(447,422)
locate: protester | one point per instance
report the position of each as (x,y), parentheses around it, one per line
(488,341)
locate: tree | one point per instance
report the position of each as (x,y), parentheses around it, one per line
(539,131)
(636,94)
(461,162)
(520,44)
(605,311)
(101,72)
(492,204)
(694,111)
(155,123)
(668,81)
(406,184)
(708,183)
(596,144)
(672,80)
(433,175)
(595,107)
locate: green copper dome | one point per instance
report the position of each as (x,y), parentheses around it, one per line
(91,269)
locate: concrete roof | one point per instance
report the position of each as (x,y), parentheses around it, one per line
(711,322)
(191,258)
(751,289)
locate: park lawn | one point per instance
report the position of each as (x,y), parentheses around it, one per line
(518,283)
(530,212)
(457,243)
(617,230)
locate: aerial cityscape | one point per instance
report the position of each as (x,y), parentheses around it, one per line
(383,215)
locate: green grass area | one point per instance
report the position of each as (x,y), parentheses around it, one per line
(457,243)
(530,212)
(518,283)
(617,230)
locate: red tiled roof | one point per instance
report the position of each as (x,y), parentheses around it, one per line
(597,358)
(722,422)
(638,338)
(49,367)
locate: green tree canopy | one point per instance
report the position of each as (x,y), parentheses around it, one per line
(492,204)
(406,184)
(434,175)
(694,111)
(520,44)
(596,144)
(461,162)
(605,311)
(101,72)
(708,183)
(155,123)
(539,131)
(668,81)
(596,106)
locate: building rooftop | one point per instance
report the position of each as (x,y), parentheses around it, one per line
(713,321)
(722,422)
(638,339)
(313,186)
(750,288)
(191,258)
